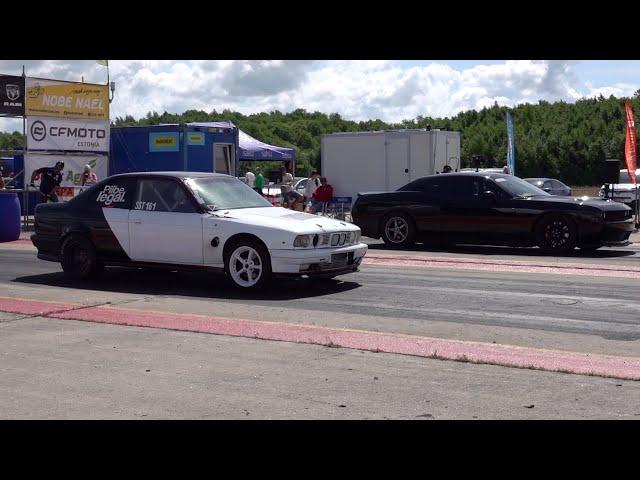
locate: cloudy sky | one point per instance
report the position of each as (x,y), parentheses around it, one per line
(358,90)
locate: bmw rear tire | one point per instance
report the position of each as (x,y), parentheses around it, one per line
(78,258)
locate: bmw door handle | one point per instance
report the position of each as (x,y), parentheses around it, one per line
(137,222)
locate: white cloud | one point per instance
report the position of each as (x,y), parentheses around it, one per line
(617,90)
(357,90)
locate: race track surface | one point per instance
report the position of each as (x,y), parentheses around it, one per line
(562,334)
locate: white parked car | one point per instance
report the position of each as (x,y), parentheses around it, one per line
(192,220)
(624,191)
(273,192)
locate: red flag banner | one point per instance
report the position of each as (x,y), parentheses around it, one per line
(630,144)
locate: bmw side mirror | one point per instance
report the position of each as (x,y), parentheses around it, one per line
(547,189)
(489,195)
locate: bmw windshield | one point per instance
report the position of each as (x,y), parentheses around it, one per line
(517,187)
(225,193)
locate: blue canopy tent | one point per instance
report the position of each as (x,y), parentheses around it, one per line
(251,149)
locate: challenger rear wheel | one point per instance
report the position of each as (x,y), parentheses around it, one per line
(398,230)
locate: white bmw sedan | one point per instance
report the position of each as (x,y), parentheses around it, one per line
(192,220)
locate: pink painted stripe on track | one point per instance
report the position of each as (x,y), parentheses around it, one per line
(505,266)
(497,354)
(32,307)
(21,242)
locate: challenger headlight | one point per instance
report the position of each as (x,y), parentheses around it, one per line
(302,241)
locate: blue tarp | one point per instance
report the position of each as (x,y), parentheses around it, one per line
(250,148)
(253,149)
(219,125)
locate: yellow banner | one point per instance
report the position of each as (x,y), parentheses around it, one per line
(164,142)
(67,100)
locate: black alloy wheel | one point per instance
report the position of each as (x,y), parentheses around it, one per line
(556,234)
(398,230)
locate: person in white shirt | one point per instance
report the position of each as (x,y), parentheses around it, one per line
(312,185)
(250,179)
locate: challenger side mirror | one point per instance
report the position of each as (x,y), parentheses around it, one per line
(489,195)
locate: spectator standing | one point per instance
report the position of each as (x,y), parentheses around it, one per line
(88,177)
(286,187)
(250,178)
(312,185)
(50,179)
(322,196)
(259,181)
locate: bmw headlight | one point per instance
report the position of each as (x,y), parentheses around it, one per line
(356,236)
(302,241)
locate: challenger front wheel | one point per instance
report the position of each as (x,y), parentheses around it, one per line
(556,234)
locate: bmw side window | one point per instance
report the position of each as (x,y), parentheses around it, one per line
(162,195)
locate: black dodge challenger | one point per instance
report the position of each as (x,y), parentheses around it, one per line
(490,209)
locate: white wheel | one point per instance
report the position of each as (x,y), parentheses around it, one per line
(246,266)
(247,263)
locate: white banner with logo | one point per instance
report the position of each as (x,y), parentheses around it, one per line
(68,134)
(72,171)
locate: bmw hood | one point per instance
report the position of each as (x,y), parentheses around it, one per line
(285,219)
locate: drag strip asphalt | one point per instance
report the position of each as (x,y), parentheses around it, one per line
(422,334)
(596,313)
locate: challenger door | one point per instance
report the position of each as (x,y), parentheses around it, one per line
(464,211)
(164,223)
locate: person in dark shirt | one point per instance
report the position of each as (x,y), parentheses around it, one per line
(50,178)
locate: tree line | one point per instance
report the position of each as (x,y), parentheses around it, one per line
(568,141)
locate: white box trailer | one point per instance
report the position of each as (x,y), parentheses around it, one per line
(385,160)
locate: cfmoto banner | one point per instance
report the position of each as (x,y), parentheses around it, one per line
(11,95)
(54,98)
(67,134)
(73,168)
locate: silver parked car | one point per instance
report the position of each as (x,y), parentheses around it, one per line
(550,185)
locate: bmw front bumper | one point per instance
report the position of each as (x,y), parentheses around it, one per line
(318,261)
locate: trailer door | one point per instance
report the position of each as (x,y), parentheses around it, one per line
(440,151)
(397,149)
(224,158)
(453,150)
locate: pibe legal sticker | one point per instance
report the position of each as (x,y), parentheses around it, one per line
(111,194)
